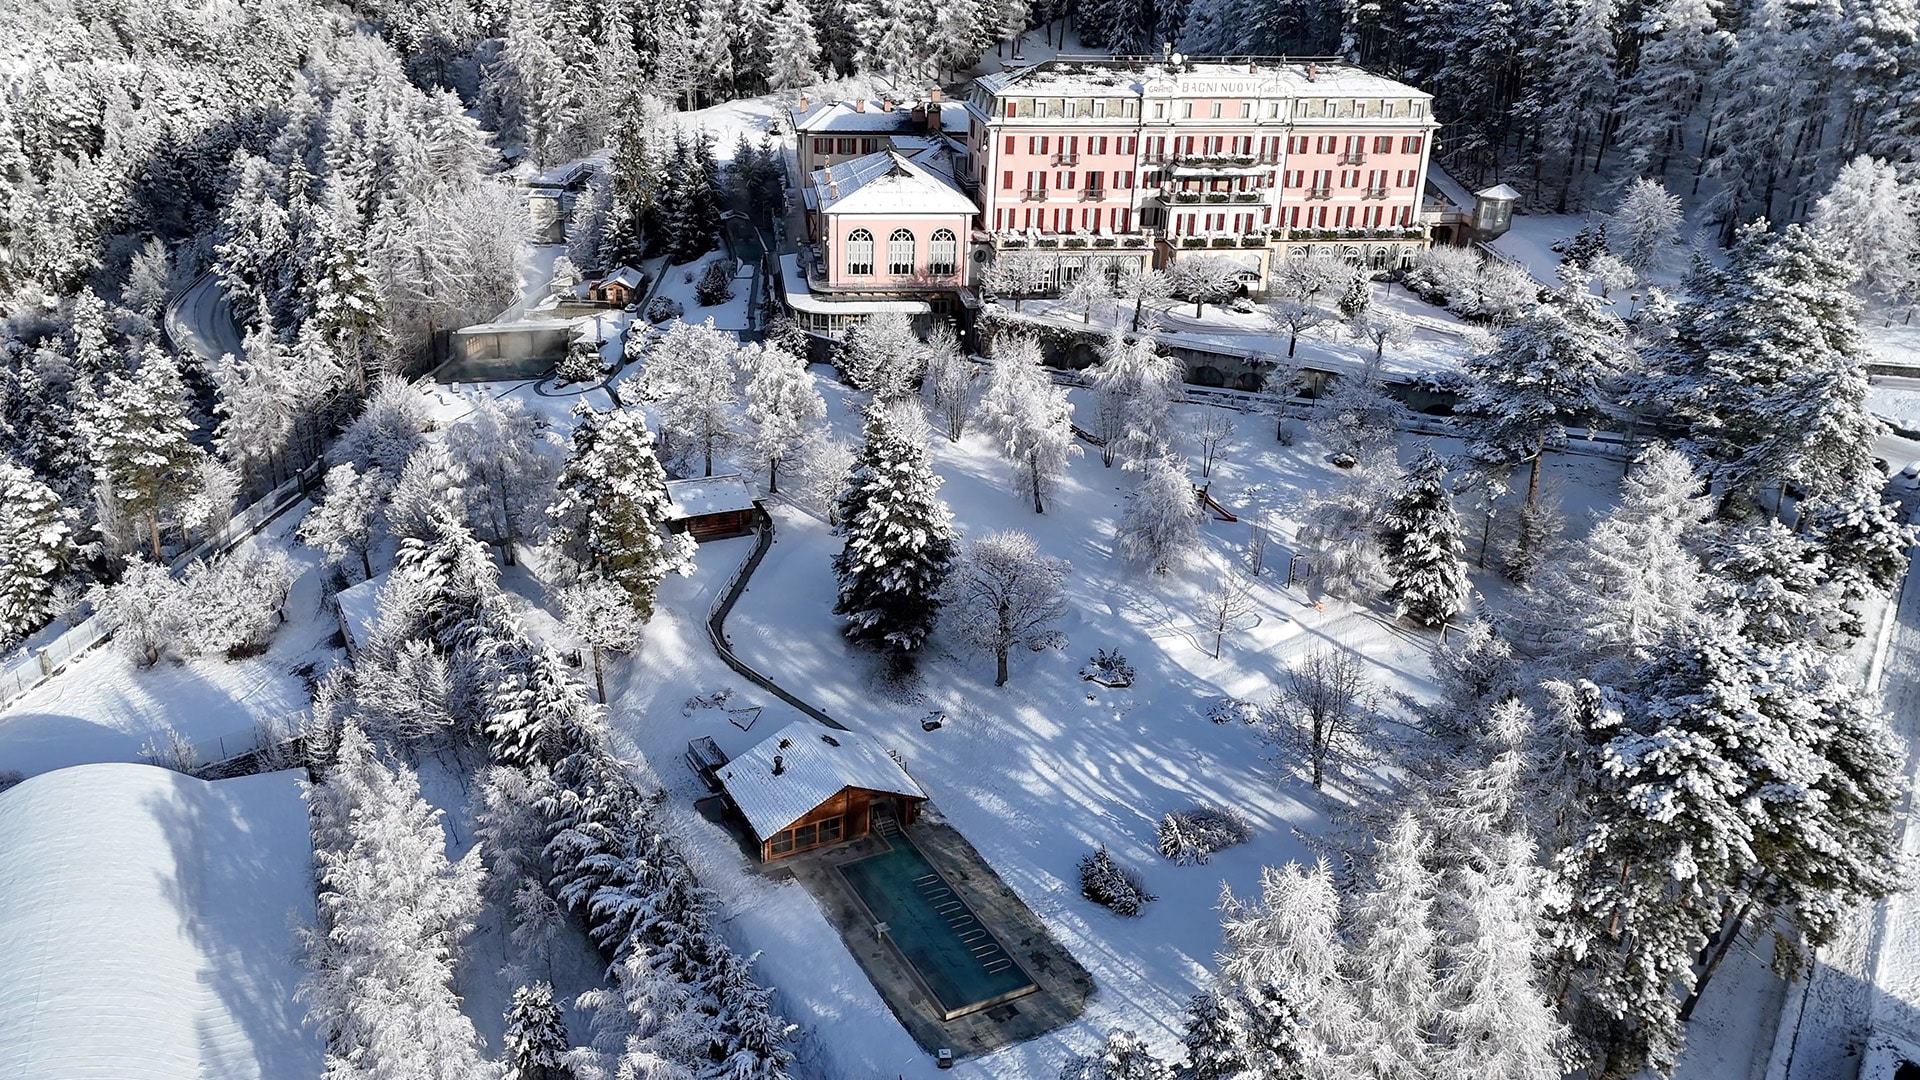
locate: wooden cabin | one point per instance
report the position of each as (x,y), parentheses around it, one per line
(620,288)
(711,507)
(808,786)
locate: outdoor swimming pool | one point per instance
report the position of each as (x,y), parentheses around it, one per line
(957,958)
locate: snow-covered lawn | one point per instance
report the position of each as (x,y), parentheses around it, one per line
(678,284)
(106,708)
(1039,772)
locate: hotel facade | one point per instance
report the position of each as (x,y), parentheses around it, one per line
(1107,164)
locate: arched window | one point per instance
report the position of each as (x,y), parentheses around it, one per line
(859,253)
(900,253)
(943,253)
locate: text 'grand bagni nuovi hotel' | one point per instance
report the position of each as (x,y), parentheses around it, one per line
(1106,163)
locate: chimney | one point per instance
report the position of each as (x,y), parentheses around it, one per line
(803,103)
(936,95)
(933,113)
(886,104)
(1311,71)
(779,765)
(860,104)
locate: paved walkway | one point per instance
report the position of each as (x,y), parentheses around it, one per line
(200,321)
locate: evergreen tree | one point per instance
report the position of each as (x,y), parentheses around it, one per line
(784,408)
(1420,540)
(141,442)
(1682,45)
(535,1043)
(1544,369)
(36,548)
(900,543)
(1213,1038)
(1124,1057)
(1162,519)
(1396,951)
(610,508)
(794,47)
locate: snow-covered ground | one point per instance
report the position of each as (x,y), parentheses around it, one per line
(678,284)
(1037,773)
(147,926)
(106,708)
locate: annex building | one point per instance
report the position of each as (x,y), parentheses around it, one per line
(1107,163)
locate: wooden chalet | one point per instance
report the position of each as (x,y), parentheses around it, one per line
(808,786)
(620,288)
(711,507)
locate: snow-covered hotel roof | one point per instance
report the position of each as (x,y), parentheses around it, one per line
(889,182)
(816,763)
(146,926)
(867,117)
(1196,77)
(707,495)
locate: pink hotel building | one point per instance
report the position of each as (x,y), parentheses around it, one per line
(1105,163)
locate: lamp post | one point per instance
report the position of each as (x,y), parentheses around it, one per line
(1293,562)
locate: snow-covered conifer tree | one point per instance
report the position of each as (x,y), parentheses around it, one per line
(899,540)
(535,1043)
(1420,543)
(141,441)
(600,614)
(1029,417)
(1003,593)
(1396,950)
(1285,956)
(1162,519)
(883,356)
(1875,218)
(1213,1038)
(794,47)
(36,548)
(1645,227)
(611,505)
(1124,1057)
(386,432)
(1545,368)
(784,408)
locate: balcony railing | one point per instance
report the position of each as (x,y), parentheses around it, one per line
(1376,193)
(1066,159)
(1034,195)
(1093,194)
(1353,159)
(1175,195)
(1320,193)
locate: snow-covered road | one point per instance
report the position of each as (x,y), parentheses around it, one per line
(201,321)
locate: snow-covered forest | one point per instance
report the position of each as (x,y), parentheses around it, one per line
(1474,723)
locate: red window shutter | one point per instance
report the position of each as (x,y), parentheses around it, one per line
(1006,180)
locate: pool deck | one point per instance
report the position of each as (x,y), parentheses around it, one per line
(1064,986)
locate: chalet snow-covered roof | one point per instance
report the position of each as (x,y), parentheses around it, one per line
(707,495)
(146,926)
(889,183)
(816,763)
(1498,191)
(626,275)
(873,118)
(360,609)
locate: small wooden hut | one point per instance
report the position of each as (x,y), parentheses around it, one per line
(808,786)
(711,507)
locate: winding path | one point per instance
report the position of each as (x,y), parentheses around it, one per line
(200,321)
(717,625)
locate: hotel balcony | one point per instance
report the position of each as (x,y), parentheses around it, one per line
(1093,194)
(1176,197)
(1376,193)
(1353,159)
(1034,195)
(1066,159)
(1319,193)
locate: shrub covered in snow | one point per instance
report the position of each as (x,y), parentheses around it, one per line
(1226,710)
(1194,834)
(582,363)
(716,284)
(1111,885)
(662,308)
(1108,669)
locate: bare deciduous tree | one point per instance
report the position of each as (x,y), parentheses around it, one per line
(1229,607)
(1324,706)
(1215,427)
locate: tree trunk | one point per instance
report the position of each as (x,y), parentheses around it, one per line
(1137,301)
(1000,655)
(1033,471)
(153,522)
(709,448)
(599,677)
(1002,642)
(1720,950)
(366,565)
(773,476)
(1293,342)
(1533,475)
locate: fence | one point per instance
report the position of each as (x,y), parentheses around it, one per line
(28,668)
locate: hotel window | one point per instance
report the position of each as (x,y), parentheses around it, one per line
(943,252)
(1246,110)
(832,829)
(1039,108)
(1383,144)
(1419,108)
(900,253)
(1069,111)
(1013,110)
(823,146)
(1128,144)
(1410,144)
(1123,179)
(781,843)
(1326,107)
(1273,113)
(846,146)
(1159,110)
(1121,219)
(1299,108)
(1216,110)
(1186,110)
(859,253)
(1009,144)
(1386,110)
(868,146)
(1099,108)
